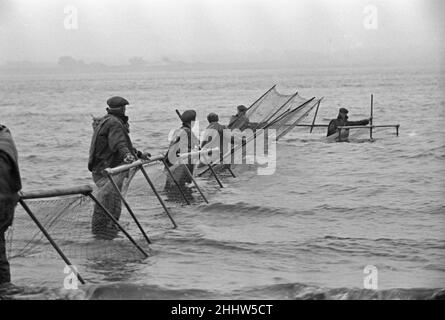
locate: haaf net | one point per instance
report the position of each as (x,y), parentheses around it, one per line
(272,111)
(281,118)
(272,104)
(297,112)
(69,219)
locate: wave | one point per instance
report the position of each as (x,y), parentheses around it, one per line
(284,291)
(292,291)
(298,291)
(245,208)
(213,244)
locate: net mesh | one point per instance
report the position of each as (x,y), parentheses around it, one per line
(271,104)
(70,221)
(272,111)
(296,115)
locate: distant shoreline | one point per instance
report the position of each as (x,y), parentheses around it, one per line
(35,68)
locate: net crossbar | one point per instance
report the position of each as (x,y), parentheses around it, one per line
(64,219)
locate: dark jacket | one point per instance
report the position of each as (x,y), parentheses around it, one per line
(242,123)
(175,144)
(225,138)
(335,123)
(10,181)
(110,143)
(239,121)
(219,128)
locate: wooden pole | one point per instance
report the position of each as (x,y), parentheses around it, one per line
(46,234)
(175,181)
(137,163)
(374,126)
(264,94)
(215,175)
(128,208)
(56,192)
(282,134)
(179,114)
(372,114)
(286,113)
(280,108)
(230,170)
(195,183)
(116,223)
(315,116)
(158,196)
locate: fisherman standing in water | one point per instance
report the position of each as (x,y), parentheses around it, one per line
(216,135)
(111,146)
(342,121)
(240,120)
(10,185)
(183,140)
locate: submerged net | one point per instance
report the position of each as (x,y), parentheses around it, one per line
(69,219)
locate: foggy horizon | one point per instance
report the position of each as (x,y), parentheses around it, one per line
(223,32)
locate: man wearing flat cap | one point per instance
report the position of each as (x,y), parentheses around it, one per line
(341,121)
(241,121)
(111,146)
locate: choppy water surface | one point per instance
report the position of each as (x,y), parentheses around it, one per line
(306,231)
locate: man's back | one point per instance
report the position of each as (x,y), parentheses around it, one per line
(110,143)
(10,185)
(239,121)
(10,182)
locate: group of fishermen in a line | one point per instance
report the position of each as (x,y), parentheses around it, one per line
(111,146)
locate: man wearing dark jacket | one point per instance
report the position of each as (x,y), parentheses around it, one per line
(342,121)
(211,139)
(241,121)
(182,141)
(10,185)
(111,146)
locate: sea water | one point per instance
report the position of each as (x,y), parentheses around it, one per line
(311,229)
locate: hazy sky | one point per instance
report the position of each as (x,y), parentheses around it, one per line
(112,31)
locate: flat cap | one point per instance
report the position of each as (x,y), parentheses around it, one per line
(188,116)
(241,108)
(343,110)
(212,117)
(116,102)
